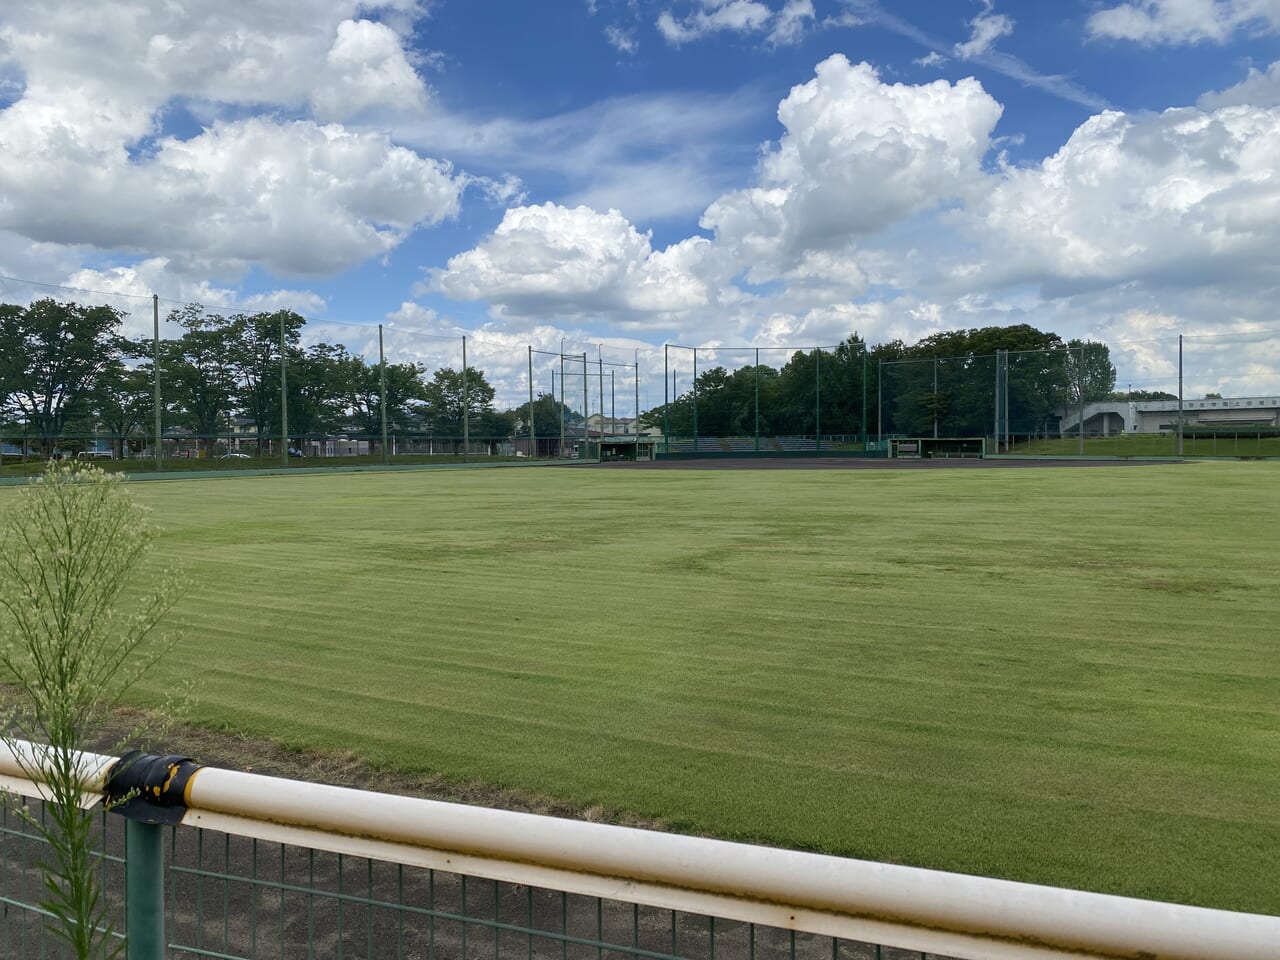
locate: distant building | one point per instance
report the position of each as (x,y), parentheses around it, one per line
(1111,417)
(599,424)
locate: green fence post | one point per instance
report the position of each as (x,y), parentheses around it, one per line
(144,890)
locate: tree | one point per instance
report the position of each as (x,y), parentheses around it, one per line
(1090,372)
(547,411)
(123,400)
(364,383)
(73,646)
(254,342)
(199,372)
(61,349)
(318,389)
(443,401)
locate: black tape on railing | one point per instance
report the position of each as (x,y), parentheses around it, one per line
(148,787)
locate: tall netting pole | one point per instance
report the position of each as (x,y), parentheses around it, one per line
(1006,401)
(695,399)
(600,372)
(879,402)
(995,432)
(284,399)
(935,398)
(586,408)
(1081,389)
(1179,394)
(666,400)
(533,422)
(817,399)
(563,393)
(757,388)
(864,396)
(155,361)
(637,424)
(382,392)
(466,407)
(613,401)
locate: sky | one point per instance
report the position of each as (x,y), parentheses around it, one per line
(609,176)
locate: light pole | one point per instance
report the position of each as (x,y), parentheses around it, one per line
(560,449)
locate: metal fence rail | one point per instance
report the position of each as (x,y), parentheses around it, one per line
(261,867)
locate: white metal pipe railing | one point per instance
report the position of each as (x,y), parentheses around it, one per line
(917,909)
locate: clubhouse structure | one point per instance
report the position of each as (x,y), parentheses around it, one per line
(1108,418)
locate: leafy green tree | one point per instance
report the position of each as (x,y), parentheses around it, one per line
(404,387)
(56,353)
(254,342)
(1090,373)
(318,389)
(198,375)
(444,406)
(123,401)
(72,646)
(546,416)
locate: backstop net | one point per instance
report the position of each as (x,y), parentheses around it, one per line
(765,400)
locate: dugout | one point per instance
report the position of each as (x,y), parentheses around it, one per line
(939,448)
(627,448)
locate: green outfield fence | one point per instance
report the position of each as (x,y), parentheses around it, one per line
(259,867)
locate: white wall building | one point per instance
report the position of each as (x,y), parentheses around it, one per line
(1111,417)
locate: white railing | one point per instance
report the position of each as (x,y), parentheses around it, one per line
(916,909)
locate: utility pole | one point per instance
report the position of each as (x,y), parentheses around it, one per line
(155,364)
(817,399)
(284,400)
(879,402)
(666,401)
(1180,395)
(757,390)
(382,391)
(1080,387)
(637,423)
(864,396)
(533,430)
(935,398)
(695,399)
(563,394)
(466,407)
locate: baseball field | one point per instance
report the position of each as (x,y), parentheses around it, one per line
(1059,675)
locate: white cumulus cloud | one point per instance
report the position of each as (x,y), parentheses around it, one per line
(85,161)
(1185,198)
(299,198)
(552,260)
(1260,88)
(1183,21)
(856,156)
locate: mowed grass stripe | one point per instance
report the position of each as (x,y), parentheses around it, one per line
(1062,676)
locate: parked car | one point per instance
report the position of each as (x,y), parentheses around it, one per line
(235,456)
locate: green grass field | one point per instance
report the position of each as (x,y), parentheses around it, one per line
(1153,445)
(1065,676)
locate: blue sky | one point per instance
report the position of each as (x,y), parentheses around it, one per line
(626,173)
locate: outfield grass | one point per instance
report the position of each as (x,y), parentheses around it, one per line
(1153,445)
(1065,676)
(15,467)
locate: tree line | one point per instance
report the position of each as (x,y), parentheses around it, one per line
(67,373)
(948,379)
